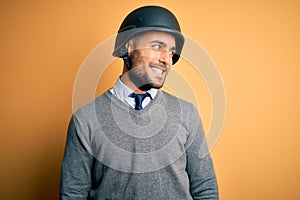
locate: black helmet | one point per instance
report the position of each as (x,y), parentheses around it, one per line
(144,19)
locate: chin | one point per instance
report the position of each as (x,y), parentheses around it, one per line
(157,85)
(149,86)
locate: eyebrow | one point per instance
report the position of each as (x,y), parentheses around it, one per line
(163,44)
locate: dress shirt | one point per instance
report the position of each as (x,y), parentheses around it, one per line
(122,92)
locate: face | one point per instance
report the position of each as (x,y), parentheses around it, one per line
(151,59)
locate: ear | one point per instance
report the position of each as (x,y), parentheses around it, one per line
(129,47)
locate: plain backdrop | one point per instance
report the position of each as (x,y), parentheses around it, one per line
(254,44)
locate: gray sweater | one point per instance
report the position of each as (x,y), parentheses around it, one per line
(118,153)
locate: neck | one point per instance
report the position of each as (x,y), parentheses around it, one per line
(126,80)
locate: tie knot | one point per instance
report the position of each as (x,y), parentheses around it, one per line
(139,98)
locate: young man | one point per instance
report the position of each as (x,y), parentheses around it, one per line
(136,141)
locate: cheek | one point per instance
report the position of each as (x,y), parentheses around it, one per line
(136,58)
(151,56)
(143,57)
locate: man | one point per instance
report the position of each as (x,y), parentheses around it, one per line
(136,141)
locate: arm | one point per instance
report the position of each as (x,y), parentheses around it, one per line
(203,183)
(76,167)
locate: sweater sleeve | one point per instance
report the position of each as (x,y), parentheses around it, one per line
(76,167)
(203,183)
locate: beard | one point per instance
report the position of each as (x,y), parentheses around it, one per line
(141,79)
(139,72)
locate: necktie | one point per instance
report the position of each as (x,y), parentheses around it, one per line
(139,99)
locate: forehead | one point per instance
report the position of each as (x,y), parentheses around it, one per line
(164,37)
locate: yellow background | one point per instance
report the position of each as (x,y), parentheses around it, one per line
(255,45)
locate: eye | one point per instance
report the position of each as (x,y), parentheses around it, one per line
(157,46)
(172,52)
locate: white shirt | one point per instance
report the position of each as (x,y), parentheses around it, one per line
(122,92)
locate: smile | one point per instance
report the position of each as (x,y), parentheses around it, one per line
(157,70)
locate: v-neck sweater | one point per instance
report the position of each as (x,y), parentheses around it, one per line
(116,152)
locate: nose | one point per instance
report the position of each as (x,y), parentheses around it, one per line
(165,57)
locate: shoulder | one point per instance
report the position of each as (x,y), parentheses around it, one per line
(174,101)
(188,112)
(92,109)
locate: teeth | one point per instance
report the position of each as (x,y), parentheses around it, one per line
(159,71)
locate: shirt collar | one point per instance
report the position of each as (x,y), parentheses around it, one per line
(122,91)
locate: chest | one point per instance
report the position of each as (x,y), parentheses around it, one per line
(142,142)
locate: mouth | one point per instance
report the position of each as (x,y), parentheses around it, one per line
(159,70)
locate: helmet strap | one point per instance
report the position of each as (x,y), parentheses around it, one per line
(125,56)
(126,60)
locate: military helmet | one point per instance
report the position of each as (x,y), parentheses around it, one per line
(145,19)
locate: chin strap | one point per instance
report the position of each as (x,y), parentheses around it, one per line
(125,56)
(126,60)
